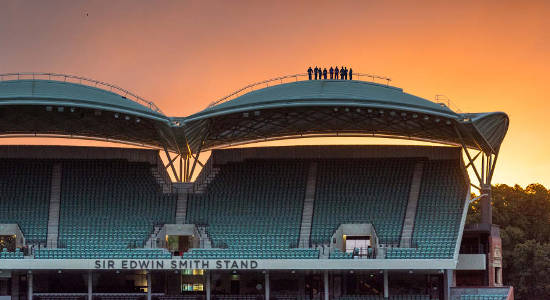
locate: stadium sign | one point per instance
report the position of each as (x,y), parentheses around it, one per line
(468,262)
(174,264)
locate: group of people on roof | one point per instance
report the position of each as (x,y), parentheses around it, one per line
(334,73)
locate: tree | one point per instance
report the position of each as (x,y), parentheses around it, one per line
(523,215)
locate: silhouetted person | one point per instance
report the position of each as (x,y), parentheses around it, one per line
(342,73)
(350,73)
(325,73)
(309,71)
(331,71)
(316,71)
(336,72)
(345,73)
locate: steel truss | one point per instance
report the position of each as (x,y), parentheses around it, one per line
(483,169)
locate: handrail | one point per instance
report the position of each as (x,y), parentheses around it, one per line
(294,77)
(81,80)
(445,101)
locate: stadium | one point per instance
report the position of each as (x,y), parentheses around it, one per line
(151,221)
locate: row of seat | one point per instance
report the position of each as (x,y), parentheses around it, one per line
(295,253)
(108,206)
(439,212)
(25,186)
(253,209)
(380,297)
(11,255)
(483,297)
(338,254)
(64,253)
(361,191)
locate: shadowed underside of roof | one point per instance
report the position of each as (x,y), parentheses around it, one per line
(339,108)
(297,109)
(66,109)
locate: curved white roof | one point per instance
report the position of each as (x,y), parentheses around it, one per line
(52,92)
(326,93)
(288,110)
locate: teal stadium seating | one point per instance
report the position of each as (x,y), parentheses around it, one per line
(483,297)
(108,208)
(362,191)
(24,200)
(253,209)
(338,254)
(17,254)
(439,211)
(238,297)
(380,297)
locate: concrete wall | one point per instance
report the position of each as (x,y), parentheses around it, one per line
(353,230)
(471,262)
(222,156)
(181,229)
(76,152)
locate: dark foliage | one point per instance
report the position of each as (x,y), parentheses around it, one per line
(523,215)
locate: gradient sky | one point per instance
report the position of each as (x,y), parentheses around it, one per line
(483,55)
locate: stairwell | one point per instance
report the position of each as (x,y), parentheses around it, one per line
(53,215)
(153,237)
(183,190)
(204,239)
(202,183)
(307,211)
(162,181)
(410,214)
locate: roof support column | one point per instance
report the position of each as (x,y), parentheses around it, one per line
(90,285)
(386,285)
(484,176)
(266,285)
(207,285)
(181,167)
(149,284)
(325,285)
(171,164)
(447,284)
(196,159)
(29,285)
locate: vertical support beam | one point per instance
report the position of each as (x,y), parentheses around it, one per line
(301,285)
(208,289)
(187,163)
(15,285)
(447,284)
(493,164)
(386,285)
(171,164)
(483,168)
(149,285)
(196,158)
(90,285)
(266,285)
(325,285)
(486,209)
(181,169)
(29,285)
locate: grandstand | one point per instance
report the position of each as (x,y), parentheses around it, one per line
(292,222)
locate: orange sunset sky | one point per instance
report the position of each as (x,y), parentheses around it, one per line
(483,55)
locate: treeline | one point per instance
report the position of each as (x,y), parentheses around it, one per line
(523,215)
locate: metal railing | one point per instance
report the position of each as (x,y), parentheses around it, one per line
(293,78)
(445,101)
(84,81)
